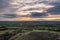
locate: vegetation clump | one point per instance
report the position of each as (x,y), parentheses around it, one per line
(3,28)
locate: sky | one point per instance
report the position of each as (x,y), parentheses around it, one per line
(29,10)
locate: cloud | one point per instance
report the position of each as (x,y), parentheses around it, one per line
(4,3)
(6,7)
(10,8)
(38,14)
(55,3)
(55,10)
(8,15)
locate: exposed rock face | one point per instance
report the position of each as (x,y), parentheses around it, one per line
(40,36)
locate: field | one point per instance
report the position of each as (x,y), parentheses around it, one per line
(13,33)
(15,30)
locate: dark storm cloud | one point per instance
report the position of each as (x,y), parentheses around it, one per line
(38,14)
(55,10)
(8,15)
(55,3)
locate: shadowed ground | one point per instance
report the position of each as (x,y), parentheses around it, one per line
(40,36)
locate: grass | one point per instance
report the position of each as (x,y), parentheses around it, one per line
(10,29)
(58,33)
